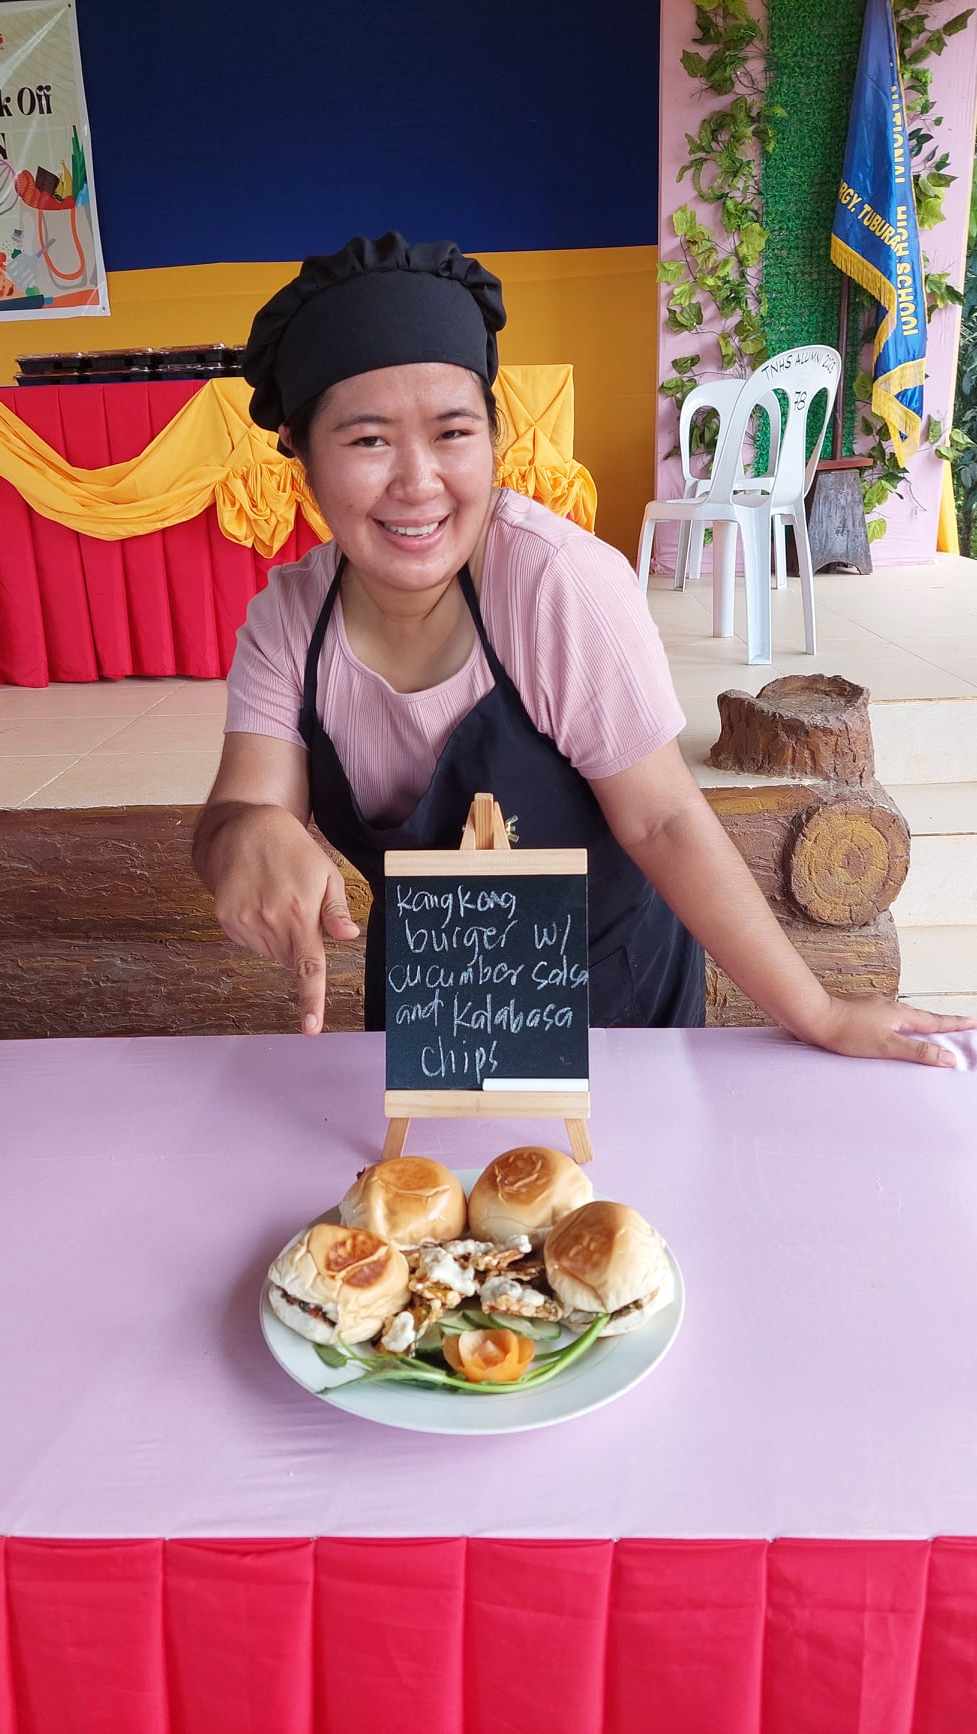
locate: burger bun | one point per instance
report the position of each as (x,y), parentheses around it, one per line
(604,1257)
(526,1191)
(407,1200)
(353,1277)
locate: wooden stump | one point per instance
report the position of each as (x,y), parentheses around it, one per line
(830,851)
(836,517)
(804,725)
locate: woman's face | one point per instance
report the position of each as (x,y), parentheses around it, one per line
(401,463)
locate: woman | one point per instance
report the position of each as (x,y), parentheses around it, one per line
(456,637)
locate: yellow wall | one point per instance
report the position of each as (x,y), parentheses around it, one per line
(596,308)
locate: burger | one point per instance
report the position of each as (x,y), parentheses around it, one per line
(526,1191)
(605,1258)
(337,1284)
(406,1200)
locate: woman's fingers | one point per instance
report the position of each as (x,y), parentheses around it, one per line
(296,946)
(334,916)
(309,960)
(934,1023)
(289,926)
(918,1049)
(309,964)
(909,1038)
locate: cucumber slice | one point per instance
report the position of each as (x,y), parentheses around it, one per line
(430,1340)
(541,1330)
(476,1320)
(452,1324)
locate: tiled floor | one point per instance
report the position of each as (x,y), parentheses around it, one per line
(132,742)
(906,633)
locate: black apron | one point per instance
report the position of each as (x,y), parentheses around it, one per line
(646,970)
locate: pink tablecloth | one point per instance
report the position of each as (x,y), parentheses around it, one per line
(602,1578)
(824,1212)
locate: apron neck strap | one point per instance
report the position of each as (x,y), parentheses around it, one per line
(310,684)
(468,591)
(311,681)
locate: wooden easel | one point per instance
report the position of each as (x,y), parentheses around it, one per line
(484,832)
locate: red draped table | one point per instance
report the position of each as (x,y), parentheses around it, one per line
(76,608)
(768,1536)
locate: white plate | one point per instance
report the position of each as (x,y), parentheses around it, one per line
(606,1371)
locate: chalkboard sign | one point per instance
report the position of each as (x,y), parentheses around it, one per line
(486,975)
(486,981)
(487,1004)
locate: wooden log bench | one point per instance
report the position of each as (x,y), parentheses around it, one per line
(105,928)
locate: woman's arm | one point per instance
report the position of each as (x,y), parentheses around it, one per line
(275,890)
(658,814)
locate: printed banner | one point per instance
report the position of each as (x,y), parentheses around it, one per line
(50,253)
(875,238)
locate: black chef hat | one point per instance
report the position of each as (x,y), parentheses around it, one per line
(373,304)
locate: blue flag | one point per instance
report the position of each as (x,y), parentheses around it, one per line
(874,236)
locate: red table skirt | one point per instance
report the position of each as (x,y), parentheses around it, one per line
(488,1637)
(75,608)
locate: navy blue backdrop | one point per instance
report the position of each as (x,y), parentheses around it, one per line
(245,130)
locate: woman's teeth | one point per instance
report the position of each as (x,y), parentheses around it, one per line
(414,530)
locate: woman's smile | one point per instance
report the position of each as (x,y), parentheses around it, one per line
(412,539)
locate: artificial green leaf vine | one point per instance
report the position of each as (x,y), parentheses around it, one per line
(715,284)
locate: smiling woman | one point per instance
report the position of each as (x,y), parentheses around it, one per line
(401,461)
(455,636)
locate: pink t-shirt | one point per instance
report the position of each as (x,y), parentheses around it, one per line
(566,619)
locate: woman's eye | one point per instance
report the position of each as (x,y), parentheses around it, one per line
(456,433)
(369,442)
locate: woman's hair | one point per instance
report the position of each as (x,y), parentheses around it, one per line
(300,422)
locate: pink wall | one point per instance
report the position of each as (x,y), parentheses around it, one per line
(912,521)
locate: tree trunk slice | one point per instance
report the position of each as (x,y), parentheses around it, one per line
(818,849)
(849,860)
(804,725)
(848,963)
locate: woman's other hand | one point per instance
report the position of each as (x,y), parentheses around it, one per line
(276,892)
(879,1029)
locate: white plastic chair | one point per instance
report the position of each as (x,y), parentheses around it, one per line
(720,396)
(792,510)
(733,501)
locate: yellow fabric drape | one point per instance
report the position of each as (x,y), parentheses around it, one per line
(537,454)
(212,451)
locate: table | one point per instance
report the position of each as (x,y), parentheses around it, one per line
(748,1543)
(75,608)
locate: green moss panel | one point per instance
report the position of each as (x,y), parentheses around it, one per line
(814,52)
